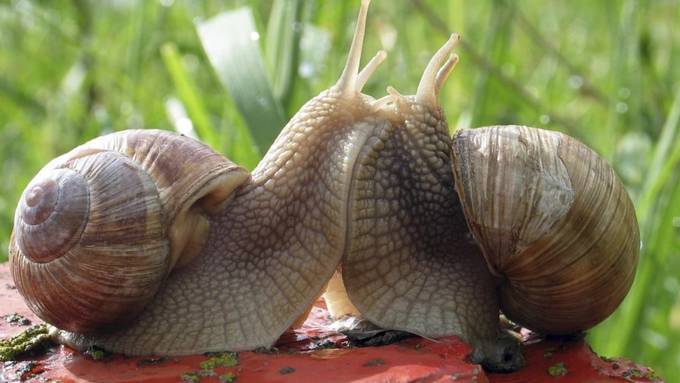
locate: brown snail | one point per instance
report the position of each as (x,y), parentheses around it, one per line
(98,229)
(261,246)
(554,223)
(352,184)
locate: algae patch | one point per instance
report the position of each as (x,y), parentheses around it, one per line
(222,359)
(215,360)
(558,369)
(32,339)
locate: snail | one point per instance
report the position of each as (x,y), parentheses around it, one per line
(148,242)
(187,252)
(553,222)
(411,264)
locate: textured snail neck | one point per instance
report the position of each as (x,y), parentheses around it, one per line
(410,264)
(271,251)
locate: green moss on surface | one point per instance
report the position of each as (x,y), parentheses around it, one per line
(558,369)
(97,353)
(190,377)
(24,342)
(228,377)
(222,359)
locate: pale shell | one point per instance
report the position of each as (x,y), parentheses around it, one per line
(555,224)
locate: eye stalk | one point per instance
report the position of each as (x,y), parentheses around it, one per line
(436,72)
(352,81)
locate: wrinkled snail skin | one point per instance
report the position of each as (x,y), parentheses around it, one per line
(411,263)
(272,245)
(554,222)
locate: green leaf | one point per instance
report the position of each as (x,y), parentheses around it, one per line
(657,234)
(284,31)
(230,41)
(188,94)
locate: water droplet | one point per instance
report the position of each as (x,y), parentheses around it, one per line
(671,284)
(624,93)
(297,26)
(100,114)
(254,36)
(621,107)
(167,3)
(544,119)
(306,70)
(575,81)
(263,102)
(655,339)
(126,108)
(185,126)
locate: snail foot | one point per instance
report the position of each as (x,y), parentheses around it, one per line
(35,340)
(362,333)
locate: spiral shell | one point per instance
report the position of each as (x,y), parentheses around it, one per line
(554,222)
(99,228)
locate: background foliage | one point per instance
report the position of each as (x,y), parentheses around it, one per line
(606,72)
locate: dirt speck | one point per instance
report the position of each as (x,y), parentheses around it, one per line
(286,370)
(374,362)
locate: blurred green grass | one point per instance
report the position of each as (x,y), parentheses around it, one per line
(607,73)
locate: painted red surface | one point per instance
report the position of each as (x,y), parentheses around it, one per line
(300,359)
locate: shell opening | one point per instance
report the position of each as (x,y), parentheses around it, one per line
(190,227)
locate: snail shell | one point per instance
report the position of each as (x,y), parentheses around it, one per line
(99,228)
(554,222)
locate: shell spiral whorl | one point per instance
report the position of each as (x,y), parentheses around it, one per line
(77,228)
(52,213)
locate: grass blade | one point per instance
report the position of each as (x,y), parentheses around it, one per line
(282,49)
(188,94)
(230,42)
(656,225)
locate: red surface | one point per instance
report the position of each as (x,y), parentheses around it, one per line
(300,359)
